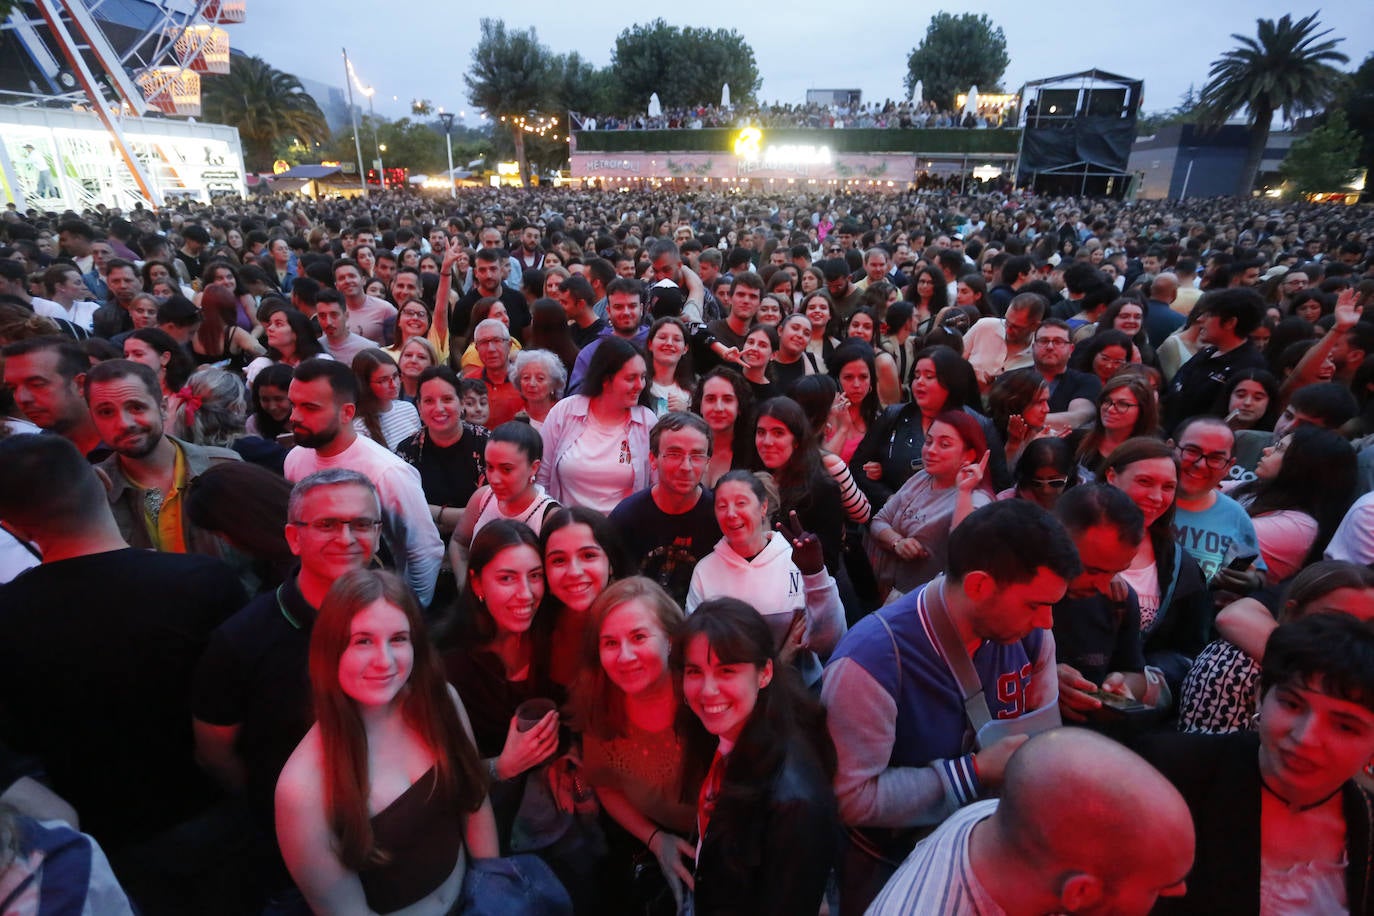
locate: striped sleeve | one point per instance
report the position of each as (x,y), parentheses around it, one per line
(855,503)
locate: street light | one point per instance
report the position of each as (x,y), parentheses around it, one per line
(447,118)
(370,91)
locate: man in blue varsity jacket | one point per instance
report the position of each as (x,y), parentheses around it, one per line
(907,752)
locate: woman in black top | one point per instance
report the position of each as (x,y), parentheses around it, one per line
(767,818)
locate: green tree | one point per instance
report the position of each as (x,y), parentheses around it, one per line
(1287,68)
(1357,101)
(1187,111)
(508,79)
(1325,160)
(957,52)
(685,66)
(266,105)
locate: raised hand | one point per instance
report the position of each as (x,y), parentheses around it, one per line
(1347,310)
(806,547)
(971,475)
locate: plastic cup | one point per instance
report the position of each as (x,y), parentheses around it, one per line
(531,712)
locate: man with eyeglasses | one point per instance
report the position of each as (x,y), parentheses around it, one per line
(250,700)
(492,340)
(324,399)
(670,526)
(1073,394)
(1207,523)
(994,346)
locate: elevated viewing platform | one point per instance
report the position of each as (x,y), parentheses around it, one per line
(833,155)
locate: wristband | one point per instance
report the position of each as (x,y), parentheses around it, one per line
(650,841)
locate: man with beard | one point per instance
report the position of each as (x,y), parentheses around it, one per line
(994,346)
(486,283)
(324,399)
(149,472)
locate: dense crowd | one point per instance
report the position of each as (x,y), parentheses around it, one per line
(564,551)
(904,115)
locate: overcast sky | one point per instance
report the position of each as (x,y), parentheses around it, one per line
(422,50)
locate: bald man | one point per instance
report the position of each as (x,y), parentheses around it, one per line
(1057,841)
(1160,318)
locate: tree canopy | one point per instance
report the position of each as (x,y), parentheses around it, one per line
(1286,68)
(269,108)
(1325,160)
(508,78)
(1357,101)
(957,51)
(685,66)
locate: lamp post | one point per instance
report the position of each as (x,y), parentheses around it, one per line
(370,91)
(447,118)
(353,114)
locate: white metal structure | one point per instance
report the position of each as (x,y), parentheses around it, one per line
(115,60)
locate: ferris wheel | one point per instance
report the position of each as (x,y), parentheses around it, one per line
(117,58)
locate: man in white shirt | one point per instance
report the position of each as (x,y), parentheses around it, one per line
(1047,845)
(997,345)
(324,396)
(338,341)
(367,315)
(68,297)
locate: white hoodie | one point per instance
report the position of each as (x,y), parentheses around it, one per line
(773,585)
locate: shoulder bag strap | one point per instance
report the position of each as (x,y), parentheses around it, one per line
(896,656)
(956,656)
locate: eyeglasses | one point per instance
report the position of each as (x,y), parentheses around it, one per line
(1214,460)
(1054,483)
(1119,406)
(1109,362)
(415,313)
(1052,341)
(677,456)
(361,527)
(491,342)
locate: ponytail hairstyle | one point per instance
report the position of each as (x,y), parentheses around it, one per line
(210,409)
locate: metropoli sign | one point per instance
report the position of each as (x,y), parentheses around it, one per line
(755,156)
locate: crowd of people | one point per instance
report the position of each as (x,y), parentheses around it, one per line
(904,115)
(560,551)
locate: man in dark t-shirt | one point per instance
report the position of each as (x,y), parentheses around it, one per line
(1097,640)
(250,702)
(97,649)
(670,526)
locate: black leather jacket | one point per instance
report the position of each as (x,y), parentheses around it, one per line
(894,440)
(775,854)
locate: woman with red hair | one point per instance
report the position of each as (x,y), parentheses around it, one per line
(908,536)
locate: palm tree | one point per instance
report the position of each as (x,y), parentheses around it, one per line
(1287,68)
(266,105)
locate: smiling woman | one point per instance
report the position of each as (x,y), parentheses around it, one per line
(766,813)
(377,682)
(596,444)
(1285,797)
(499,659)
(626,708)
